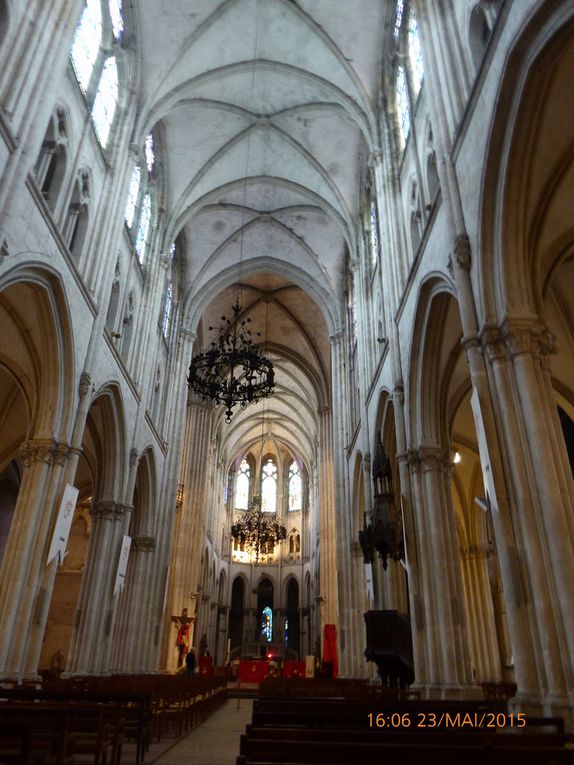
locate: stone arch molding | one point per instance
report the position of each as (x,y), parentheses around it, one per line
(529,174)
(37,345)
(110,439)
(425,418)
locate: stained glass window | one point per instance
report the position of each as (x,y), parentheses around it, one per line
(86,44)
(295,487)
(415,54)
(167,310)
(398,18)
(149,152)
(106,100)
(269,487)
(133,196)
(242,486)
(267,624)
(374,233)
(172,250)
(117,18)
(143,228)
(403,104)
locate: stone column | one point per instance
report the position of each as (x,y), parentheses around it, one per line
(327,525)
(24,588)
(348,620)
(447,657)
(482,633)
(360,604)
(221,636)
(91,641)
(132,634)
(412,543)
(189,532)
(541,511)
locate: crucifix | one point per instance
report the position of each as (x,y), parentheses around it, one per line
(182,640)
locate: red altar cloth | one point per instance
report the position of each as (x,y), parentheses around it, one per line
(294,669)
(253,671)
(330,655)
(205,665)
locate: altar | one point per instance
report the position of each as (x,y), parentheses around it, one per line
(253,670)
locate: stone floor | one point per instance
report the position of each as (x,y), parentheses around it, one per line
(215,742)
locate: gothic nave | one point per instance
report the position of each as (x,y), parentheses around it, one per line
(385,187)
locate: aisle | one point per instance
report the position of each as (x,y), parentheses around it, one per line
(216,741)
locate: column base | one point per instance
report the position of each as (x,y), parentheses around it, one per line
(20,677)
(448,692)
(77,673)
(547,706)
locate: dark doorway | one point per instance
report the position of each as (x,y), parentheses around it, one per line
(236,613)
(292,617)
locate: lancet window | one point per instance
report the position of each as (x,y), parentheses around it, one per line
(242,486)
(167,310)
(295,487)
(267,624)
(96,71)
(269,486)
(139,204)
(410,71)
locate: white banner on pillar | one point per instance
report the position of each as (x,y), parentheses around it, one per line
(165,589)
(483,448)
(63,524)
(369,583)
(122,564)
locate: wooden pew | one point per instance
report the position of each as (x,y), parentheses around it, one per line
(50,742)
(15,743)
(337,732)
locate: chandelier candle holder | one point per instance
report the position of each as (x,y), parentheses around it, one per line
(258,532)
(233,371)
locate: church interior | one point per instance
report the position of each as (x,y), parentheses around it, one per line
(372,201)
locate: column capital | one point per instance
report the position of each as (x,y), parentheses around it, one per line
(435,458)
(528,337)
(462,251)
(474,552)
(336,337)
(492,342)
(46,450)
(470,341)
(518,337)
(107,509)
(376,158)
(84,384)
(413,458)
(141,543)
(428,458)
(188,334)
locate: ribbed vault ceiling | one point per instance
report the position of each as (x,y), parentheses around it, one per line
(268,111)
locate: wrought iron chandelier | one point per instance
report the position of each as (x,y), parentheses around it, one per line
(384,534)
(233,370)
(257,532)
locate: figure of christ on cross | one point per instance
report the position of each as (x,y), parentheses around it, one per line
(182,639)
